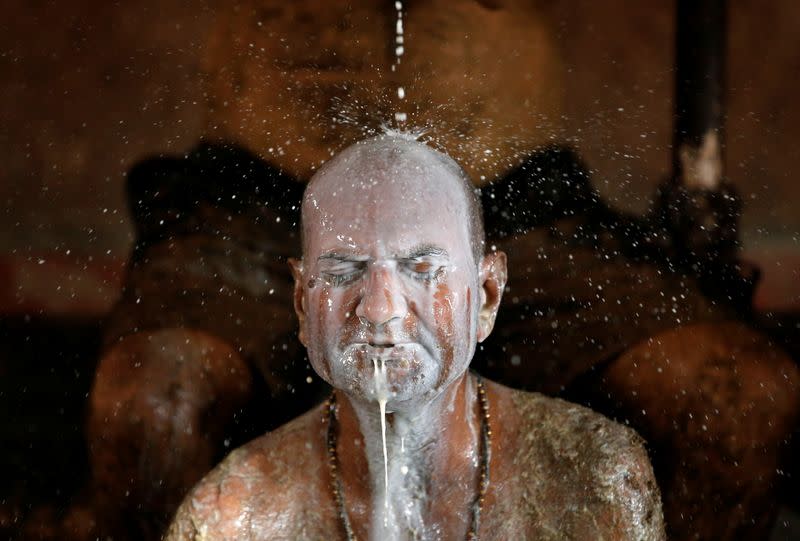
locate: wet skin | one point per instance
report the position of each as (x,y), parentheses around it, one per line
(559,471)
(389,262)
(389,273)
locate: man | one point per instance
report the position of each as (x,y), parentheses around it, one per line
(393,294)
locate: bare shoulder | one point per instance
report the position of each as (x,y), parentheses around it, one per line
(598,469)
(267,488)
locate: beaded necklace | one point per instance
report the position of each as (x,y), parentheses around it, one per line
(485,457)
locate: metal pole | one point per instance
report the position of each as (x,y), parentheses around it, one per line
(698,207)
(699,97)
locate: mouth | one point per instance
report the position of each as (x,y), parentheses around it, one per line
(386,350)
(404,363)
(385,346)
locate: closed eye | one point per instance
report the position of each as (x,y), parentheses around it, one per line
(422,269)
(341,279)
(342,272)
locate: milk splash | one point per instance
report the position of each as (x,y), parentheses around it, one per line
(399,117)
(382,394)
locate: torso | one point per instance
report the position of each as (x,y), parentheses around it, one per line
(566,472)
(558,471)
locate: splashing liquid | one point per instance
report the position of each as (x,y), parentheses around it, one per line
(382,394)
(399,39)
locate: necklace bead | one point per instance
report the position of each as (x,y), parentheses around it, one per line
(485,457)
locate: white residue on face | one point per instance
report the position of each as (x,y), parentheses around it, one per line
(394,195)
(378,331)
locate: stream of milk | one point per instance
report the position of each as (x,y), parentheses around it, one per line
(382,394)
(379,367)
(381,387)
(399,39)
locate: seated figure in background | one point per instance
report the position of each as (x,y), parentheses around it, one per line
(199,353)
(603,309)
(393,294)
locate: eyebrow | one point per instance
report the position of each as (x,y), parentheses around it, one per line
(425,250)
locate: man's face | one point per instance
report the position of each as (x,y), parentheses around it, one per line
(388,277)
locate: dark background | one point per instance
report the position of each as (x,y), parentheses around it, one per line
(89,88)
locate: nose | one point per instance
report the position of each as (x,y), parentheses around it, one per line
(383,299)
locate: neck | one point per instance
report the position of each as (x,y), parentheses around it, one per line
(432,453)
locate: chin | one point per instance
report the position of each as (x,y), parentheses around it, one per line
(410,373)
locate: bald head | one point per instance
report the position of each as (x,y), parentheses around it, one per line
(393,268)
(390,172)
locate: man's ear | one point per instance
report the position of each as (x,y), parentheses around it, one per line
(299,297)
(493,275)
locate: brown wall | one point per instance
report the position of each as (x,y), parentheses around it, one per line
(88,88)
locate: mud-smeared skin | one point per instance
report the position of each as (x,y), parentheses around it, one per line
(566,472)
(397,274)
(559,471)
(392,255)
(443,312)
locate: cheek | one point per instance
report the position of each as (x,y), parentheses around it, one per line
(409,327)
(468,314)
(448,305)
(325,326)
(454,339)
(320,320)
(334,308)
(323,305)
(443,301)
(315,332)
